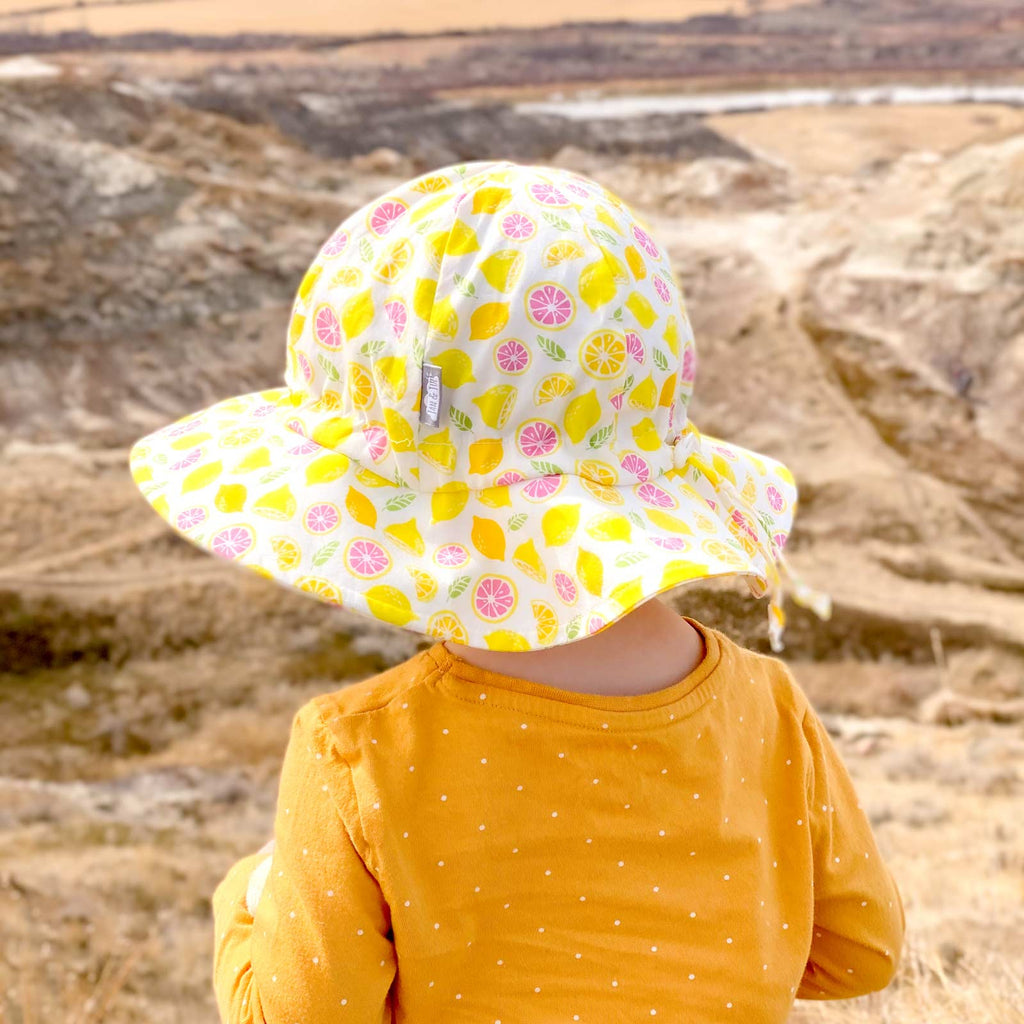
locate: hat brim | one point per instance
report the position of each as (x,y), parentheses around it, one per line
(236,480)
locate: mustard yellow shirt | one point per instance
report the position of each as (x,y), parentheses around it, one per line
(454,844)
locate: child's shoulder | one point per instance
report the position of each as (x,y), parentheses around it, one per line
(770,675)
(378,690)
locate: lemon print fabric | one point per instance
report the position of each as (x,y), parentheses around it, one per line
(553,485)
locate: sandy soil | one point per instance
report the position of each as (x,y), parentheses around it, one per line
(845,140)
(326,17)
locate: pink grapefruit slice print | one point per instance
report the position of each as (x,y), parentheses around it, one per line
(671,543)
(383,217)
(635,465)
(366,559)
(398,316)
(548,195)
(335,245)
(518,226)
(775,498)
(494,597)
(543,487)
(537,439)
(184,428)
(635,346)
(645,241)
(511,356)
(232,541)
(565,587)
(655,496)
(189,460)
(322,517)
(739,525)
(661,288)
(377,441)
(452,556)
(550,306)
(326,328)
(191,518)
(305,367)
(689,364)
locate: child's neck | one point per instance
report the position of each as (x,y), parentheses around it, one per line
(646,650)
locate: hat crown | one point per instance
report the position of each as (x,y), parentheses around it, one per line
(553,318)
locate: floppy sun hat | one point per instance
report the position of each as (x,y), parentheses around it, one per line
(483,430)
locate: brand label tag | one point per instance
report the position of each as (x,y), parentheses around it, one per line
(430,395)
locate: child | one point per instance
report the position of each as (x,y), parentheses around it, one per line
(574,804)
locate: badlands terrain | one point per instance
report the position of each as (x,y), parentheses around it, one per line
(863,267)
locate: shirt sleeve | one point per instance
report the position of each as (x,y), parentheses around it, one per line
(319,942)
(859,922)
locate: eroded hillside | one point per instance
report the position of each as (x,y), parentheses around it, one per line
(863,324)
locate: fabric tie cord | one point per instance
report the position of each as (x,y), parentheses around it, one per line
(780,573)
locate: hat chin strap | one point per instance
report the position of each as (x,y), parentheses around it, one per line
(781,575)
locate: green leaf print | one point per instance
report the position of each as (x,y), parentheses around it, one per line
(617,315)
(460,419)
(159,457)
(325,553)
(547,468)
(660,359)
(572,630)
(327,366)
(516,521)
(599,437)
(464,286)
(766,523)
(400,501)
(555,221)
(365,250)
(371,348)
(552,349)
(630,558)
(636,519)
(627,383)
(457,586)
(274,474)
(604,236)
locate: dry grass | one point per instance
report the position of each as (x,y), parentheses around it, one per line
(92,1009)
(985,990)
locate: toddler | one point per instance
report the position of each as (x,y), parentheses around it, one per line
(573,803)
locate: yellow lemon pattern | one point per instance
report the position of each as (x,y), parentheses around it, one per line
(551,484)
